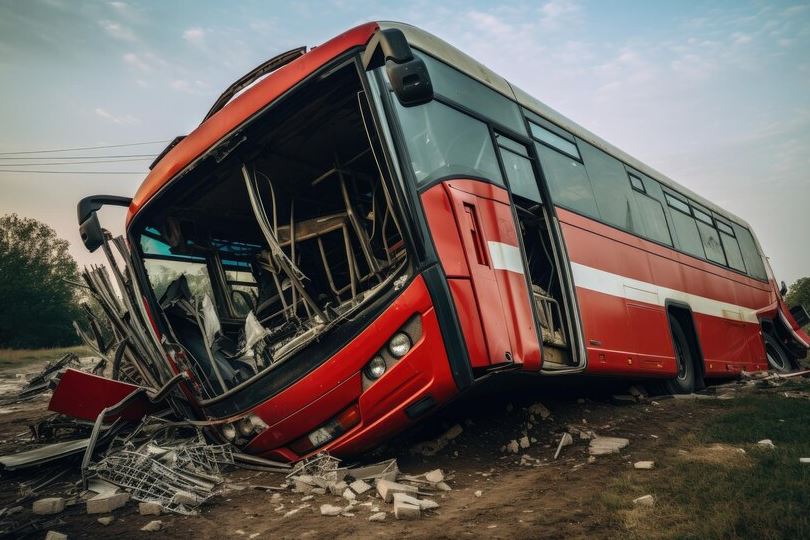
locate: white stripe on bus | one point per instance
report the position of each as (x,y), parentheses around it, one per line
(649,293)
(505,257)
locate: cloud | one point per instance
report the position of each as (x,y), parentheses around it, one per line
(136,61)
(557,13)
(117,30)
(195,35)
(125,120)
(188,87)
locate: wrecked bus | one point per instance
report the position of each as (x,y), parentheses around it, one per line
(356,234)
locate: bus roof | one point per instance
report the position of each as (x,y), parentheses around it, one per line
(442,50)
(255,98)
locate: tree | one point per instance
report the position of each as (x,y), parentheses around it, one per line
(37,304)
(799,293)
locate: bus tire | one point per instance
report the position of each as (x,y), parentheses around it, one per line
(684,381)
(778,358)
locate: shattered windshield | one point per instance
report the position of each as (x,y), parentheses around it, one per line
(252,260)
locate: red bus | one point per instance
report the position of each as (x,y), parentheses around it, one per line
(357,234)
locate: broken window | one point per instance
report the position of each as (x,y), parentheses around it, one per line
(272,243)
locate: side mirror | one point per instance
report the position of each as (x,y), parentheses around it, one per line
(408,74)
(783,289)
(89,227)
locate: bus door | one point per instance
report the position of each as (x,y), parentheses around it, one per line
(492,251)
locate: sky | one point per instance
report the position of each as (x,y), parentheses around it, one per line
(715,95)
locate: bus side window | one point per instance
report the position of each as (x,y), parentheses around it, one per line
(518,168)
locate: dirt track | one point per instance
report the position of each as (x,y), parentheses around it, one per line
(552,499)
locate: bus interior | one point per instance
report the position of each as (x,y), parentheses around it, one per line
(547,283)
(274,237)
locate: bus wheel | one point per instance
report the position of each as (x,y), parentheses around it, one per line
(778,359)
(684,382)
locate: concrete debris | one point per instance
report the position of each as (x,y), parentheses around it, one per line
(623,399)
(644,500)
(478,493)
(435,476)
(54,535)
(565,440)
(153,526)
(360,486)
(306,498)
(349,495)
(513,447)
(524,442)
(336,488)
(149,509)
(104,504)
(766,443)
(379,516)
(591,459)
(601,446)
(106,520)
(644,465)
(404,510)
(443,486)
(431,448)
(423,504)
(48,506)
(538,409)
(387,489)
(331,510)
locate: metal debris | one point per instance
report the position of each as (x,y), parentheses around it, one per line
(179,477)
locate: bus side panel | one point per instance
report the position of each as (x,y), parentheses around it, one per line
(643,277)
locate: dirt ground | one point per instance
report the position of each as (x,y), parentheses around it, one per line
(544,498)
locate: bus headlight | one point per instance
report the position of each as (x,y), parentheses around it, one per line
(375,368)
(399,345)
(245,426)
(228,431)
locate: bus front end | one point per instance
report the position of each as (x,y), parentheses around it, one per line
(279,261)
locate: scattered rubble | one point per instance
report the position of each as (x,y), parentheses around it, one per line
(379,516)
(644,500)
(524,442)
(405,510)
(331,510)
(431,448)
(644,465)
(106,520)
(565,440)
(766,443)
(387,489)
(601,446)
(104,504)
(48,506)
(149,509)
(538,409)
(153,526)
(54,535)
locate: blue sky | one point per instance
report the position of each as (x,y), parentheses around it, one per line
(714,94)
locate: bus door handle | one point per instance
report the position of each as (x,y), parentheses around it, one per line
(475,232)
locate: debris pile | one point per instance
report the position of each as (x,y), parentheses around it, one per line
(365,488)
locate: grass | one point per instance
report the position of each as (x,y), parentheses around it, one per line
(19,357)
(716,491)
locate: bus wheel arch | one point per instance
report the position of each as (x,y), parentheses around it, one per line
(779,357)
(686,345)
